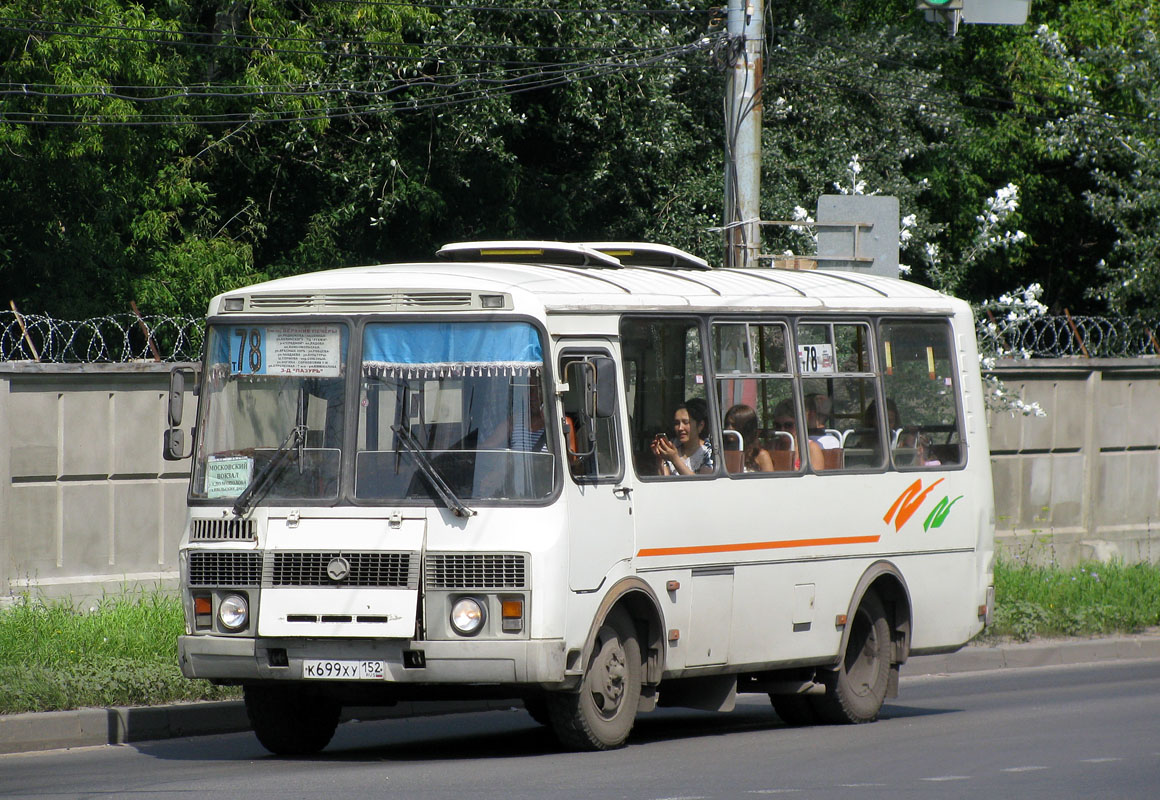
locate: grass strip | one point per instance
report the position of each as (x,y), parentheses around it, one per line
(123,650)
(1086,600)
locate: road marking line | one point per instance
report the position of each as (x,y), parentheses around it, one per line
(943,778)
(1104,760)
(1021,769)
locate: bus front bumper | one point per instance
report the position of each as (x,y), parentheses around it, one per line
(238,659)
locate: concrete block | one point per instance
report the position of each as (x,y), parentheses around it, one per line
(169,722)
(1006,472)
(136,512)
(1113,486)
(1143,501)
(32,434)
(1031,656)
(139,420)
(85,518)
(85,435)
(1114,424)
(1066,508)
(1067,417)
(1038,477)
(31,531)
(22,733)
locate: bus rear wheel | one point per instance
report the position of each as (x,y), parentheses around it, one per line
(291,720)
(601,715)
(856,690)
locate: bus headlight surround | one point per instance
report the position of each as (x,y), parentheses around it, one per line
(467,616)
(233,612)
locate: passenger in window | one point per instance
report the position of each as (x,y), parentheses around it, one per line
(817,418)
(786,442)
(523,430)
(868,437)
(689,451)
(924,455)
(742,421)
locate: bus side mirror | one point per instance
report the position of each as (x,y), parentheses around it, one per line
(173,440)
(605,387)
(173,445)
(176,396)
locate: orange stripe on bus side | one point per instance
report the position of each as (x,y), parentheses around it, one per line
(745,546)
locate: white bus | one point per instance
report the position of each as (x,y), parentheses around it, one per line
(596,477)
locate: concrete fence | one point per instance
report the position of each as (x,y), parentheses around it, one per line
(88,506)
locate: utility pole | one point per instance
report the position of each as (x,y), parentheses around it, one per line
(746,21)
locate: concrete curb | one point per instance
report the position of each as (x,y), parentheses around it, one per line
(87,727)
(1013,655)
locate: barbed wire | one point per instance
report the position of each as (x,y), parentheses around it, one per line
(122,338)
(112,339)
(1064,336)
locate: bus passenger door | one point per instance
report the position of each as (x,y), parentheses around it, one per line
(597,489)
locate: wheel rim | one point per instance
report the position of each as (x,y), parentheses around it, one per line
(609,674)
(863,659)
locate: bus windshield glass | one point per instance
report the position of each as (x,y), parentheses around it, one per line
(272,415)
(470,395)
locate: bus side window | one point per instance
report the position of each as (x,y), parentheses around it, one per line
(665,370)
(919,382)
(839,389)
(754,396)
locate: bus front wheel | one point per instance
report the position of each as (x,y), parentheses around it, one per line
(601,715)
(856,690)
(290,720)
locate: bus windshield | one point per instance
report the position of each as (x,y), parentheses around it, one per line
(272,415)
(470,396)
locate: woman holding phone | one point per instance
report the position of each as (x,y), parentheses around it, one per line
(689,451)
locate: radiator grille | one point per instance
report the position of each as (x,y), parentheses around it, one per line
(209,568)
(375,570)
(476,571)
(221,530)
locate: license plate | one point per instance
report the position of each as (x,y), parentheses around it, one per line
(344,670)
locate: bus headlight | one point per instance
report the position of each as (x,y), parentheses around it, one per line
(467,616)
(233,612)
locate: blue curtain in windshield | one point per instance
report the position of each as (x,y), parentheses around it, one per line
(441,349)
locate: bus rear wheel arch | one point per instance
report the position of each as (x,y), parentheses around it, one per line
(857,687)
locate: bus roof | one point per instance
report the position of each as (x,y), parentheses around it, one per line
(537,282)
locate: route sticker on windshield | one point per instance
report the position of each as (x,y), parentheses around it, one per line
(293,350)
(228,477)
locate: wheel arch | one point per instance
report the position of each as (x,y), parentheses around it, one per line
(636,599)
(886,580)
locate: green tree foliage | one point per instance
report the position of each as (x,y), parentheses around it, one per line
(162,152)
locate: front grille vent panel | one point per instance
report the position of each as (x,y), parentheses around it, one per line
(477,571)
(370,570)
(214,568)
(221,530)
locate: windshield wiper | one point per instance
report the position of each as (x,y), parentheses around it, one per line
(264,477)
(437,482)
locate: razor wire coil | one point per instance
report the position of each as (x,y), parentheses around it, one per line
(112,339)
(122,338)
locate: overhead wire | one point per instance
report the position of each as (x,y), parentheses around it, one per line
(497,87)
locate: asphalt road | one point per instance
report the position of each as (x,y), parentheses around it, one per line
(1049,732)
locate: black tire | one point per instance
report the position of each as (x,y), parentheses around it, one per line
(856,690)
(795,710)
(601,715)
(291,720)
